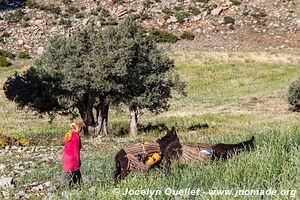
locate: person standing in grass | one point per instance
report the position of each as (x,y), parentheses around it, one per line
(71,157)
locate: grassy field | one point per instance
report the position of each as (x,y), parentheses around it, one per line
(238,94)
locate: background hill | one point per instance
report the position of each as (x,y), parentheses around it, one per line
(217,24)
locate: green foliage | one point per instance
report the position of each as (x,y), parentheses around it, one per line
(259,15)
(118,1)
(72,10)
(34,89)
(181,16)
(187,36)
(245,13)
(7,54)
(15,16)
(3,62)
(5,34)
(25,25)
(24,55)
(195,11)
(66,2)
(51,8)
(79,15)
(209,7)
(163,36)
(168,11)
(179,8)
(236,2)
(46,7)
(26,18)
(229,20)
(294,96)
(32,4)
(203,1)
(146,3)
(119,63)
(65,22)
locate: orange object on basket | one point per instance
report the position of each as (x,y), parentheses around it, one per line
(156,156)
(150,160)
(146,142)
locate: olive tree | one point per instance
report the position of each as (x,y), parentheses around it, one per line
(93,69)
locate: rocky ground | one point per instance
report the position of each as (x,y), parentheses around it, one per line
(22,161)
(33,171)
(217,24)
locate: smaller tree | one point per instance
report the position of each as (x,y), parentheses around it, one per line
(294,96)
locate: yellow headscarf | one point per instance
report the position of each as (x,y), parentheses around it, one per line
(75,126)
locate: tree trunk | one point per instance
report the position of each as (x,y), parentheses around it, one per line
(102,115)
(86,113)
(134,120)
(94,125)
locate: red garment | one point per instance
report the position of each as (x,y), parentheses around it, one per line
(71,157)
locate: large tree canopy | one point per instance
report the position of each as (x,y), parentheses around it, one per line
(95,68)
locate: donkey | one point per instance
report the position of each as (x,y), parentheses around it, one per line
(171,148)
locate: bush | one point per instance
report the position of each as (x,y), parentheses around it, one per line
(66,2)
(4,62)
(236,2)
(195,11)
(7,54)
(25,25)
(228,20)
(24,55)
(72,10)
(51,8)
(203,1)
(163,36)
(5,34)
(15,16)
(8,140)
(181,16)
(187,36)
(117,1)
(66,23)
(32,4)
(259,15)
(79,15)
(294,96)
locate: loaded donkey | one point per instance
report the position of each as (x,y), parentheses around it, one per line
(194,153)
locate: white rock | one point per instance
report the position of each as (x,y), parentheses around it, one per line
(216,11)
(172,19)
(40,50)
(27,46)
(38,21)
(47,184)
(2,167)
(37,188)
(5,194)
(7,182)
(20,42)
(86,21)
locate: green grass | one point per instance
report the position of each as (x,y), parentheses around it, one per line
(238,94)
(273,164)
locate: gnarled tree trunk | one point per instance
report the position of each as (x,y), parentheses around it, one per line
(102,115)
(94,125)
(134,120)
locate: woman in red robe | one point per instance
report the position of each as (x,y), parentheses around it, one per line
(71,157)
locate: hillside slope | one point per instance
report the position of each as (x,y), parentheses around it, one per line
(217,24)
